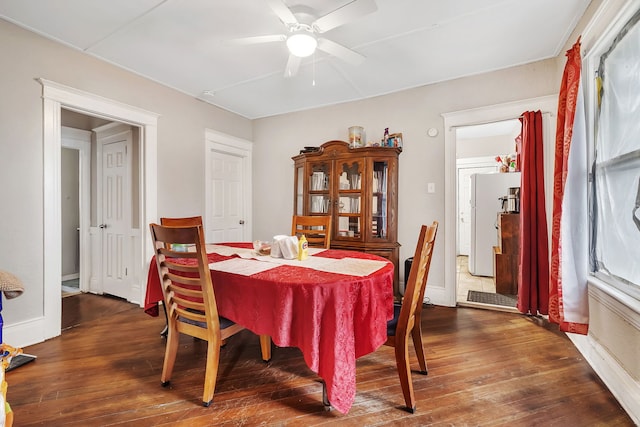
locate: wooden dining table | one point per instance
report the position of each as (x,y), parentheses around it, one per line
(333,306)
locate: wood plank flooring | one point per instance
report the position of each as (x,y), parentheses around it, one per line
(486,368)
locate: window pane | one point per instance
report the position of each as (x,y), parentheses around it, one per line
(619,125)
(616,192)
(617,235)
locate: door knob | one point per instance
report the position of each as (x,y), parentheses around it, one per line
(241,222)
(103,226)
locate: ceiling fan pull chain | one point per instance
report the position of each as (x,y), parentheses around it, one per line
(313,72)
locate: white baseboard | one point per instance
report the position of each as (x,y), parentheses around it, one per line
(625,388)
(24,333)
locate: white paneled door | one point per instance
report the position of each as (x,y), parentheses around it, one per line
(227,221)
(116,216)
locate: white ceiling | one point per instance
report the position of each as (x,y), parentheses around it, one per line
(184,44)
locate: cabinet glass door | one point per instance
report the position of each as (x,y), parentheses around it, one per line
(349,203)
(379,209)
(299,187)
(319,197)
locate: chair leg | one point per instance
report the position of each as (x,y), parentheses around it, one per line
(416,333)
(165,331)
(170,353)
(211,372)
(404,372)
(265,347)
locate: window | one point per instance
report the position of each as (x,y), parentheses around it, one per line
(615,177)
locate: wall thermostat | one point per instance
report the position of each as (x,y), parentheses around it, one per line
(432,132)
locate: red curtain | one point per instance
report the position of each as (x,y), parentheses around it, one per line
(568,291)
(533,274)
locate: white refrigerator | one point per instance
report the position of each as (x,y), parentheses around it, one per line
(486,191)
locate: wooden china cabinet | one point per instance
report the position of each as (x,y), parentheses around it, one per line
(358,188)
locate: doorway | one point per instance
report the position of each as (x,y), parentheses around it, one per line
(70,226)
(97,258)
(477,148)
(57,97)
(474,117)
(75,208)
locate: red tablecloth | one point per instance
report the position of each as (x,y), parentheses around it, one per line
(333,318)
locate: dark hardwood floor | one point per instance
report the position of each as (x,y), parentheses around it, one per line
(486,368)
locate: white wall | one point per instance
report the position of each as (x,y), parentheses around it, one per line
(181,128)
(411,112)
(485,146)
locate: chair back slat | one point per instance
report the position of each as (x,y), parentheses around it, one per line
(181,222)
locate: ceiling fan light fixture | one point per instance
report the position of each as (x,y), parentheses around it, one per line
(302,44)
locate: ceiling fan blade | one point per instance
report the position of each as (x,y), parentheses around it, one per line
(292,66)
(339,51)
(257,39)
(283,12)
(345,14)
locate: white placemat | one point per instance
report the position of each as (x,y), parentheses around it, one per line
(246,264)
(353,266)
(243,267)
(230,251)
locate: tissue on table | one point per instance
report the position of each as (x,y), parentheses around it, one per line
(287,247)
(275,247)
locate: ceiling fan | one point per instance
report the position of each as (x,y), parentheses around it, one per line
(303,30)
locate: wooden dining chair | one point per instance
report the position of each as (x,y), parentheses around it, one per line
(181,222)
(406,320)
(316,229)
(190,299)
(265,340)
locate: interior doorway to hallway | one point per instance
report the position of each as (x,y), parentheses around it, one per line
(474,117)
(477,148)
(56,98)
(75,178)
(96,249)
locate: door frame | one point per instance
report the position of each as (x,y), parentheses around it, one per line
(55,97)
(493,113)
(80,140)
(229,144)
